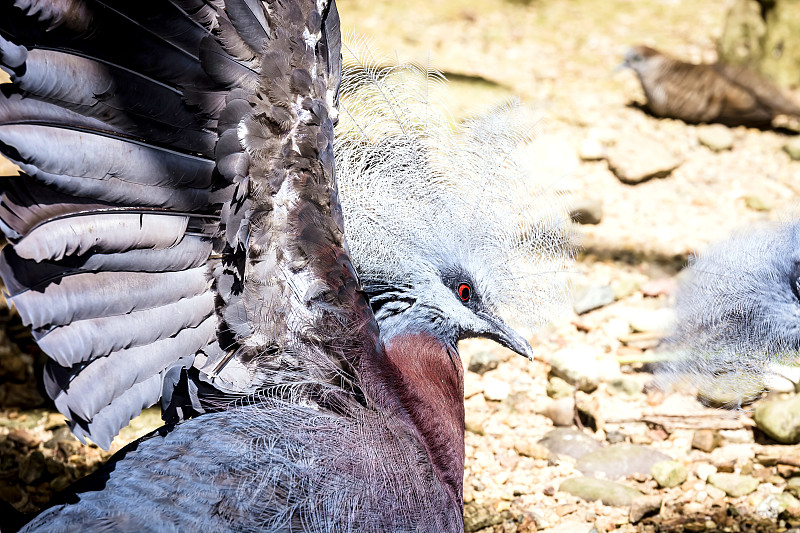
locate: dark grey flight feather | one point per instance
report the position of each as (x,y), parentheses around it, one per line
(738,315)
(114,219)
(728,94)
(21,274)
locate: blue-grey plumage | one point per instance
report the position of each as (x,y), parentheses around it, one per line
(738,314)
(203,274)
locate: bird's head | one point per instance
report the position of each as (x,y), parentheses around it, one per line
(640,58)
(448,302)
(449,232)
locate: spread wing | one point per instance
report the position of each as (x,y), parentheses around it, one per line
(738,314)
(175,233)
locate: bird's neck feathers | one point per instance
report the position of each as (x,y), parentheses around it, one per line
(424,378)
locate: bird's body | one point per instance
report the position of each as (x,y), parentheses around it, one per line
(703,93)
(177,236)
(738,315)
(276,466)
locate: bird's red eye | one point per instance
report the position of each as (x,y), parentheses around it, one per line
(464,292)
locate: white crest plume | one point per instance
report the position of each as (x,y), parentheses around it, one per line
(420,195)
(737,315)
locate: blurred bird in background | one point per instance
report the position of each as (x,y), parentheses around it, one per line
(738,315)
(728,94)
(177,236)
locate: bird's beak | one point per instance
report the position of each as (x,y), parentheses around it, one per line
(620,67)
(501,333)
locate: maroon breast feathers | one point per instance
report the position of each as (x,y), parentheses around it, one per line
(428,378)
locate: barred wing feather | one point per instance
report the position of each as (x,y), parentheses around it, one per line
(175,158)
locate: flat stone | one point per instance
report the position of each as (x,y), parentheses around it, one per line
(592,489)
(473,422)
(55,421)
(715,137)
(793,148)
(558,388)
(627,385)
(587,211)
(659,320)
(24,437)
(668,474)
(616,327)
(531,449)
(757,203)
(570,442)
(703,470)
(591,149)
(592,298)
(482,361)
(777,383)
(638,158)
(620,460)
(495,390)
(734,485)
(659,287)
(60,483)
(583,367)
(783,378)
(643,506)
(625,287)
(780,419)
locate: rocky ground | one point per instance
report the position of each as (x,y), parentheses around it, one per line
(575,440)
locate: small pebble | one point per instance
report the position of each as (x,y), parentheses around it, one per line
(715,137)
(558,388)
(703,470)
(793,148)
(668,474)
(561,411)
(780,419)
(706,440)
(482,361)
(734,485)
(757,203)
(495,390)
